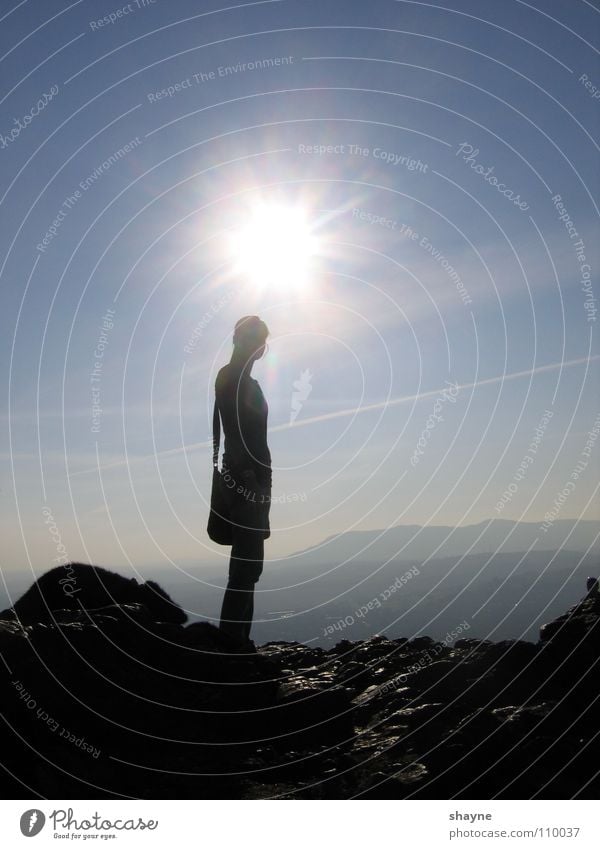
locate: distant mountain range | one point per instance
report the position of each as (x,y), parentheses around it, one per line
(503,578)
(417,542)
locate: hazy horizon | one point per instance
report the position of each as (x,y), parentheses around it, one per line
(498,580)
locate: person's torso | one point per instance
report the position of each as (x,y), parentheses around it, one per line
(244,411)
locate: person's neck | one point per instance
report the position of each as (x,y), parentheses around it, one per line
(241,367)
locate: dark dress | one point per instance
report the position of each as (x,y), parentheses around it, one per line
(247,479)
(246,463)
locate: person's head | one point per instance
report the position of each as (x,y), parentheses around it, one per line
(249,338)
(592,586)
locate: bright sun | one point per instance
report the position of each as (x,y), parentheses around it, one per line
(274,247)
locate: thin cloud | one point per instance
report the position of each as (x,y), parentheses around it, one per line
(349,411)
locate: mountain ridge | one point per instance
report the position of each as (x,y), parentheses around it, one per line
(588,530)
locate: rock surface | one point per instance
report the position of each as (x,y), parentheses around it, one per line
(112,704)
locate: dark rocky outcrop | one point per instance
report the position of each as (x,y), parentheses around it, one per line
(112,703)
(74,586)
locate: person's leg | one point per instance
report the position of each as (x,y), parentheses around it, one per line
(245,568)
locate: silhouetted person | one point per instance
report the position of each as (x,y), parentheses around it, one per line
(592,588)
(246,471)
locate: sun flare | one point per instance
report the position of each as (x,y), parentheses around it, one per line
(274,247)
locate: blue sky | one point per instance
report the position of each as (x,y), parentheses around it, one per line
(488,297)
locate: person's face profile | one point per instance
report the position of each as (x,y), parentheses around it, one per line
(256,350)
(252,350)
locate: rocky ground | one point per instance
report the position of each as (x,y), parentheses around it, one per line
(112,704)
